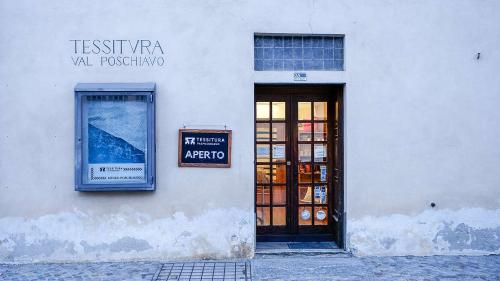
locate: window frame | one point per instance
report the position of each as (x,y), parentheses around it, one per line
(83,90)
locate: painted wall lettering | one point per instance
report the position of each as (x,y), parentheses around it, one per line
(117,53)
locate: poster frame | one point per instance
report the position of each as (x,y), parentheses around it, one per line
(83,90)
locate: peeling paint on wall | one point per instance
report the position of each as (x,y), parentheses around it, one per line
(79,236)
(473,231)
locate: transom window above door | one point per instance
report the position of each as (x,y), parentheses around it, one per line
(298,52)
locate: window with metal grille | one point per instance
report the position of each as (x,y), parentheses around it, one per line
(298,52)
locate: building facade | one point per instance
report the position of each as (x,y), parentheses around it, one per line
(372,124)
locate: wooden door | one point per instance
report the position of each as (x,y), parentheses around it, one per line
(295,163)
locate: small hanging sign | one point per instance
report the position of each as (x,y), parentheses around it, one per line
(204,148)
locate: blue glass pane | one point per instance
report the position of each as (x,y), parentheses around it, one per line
(258,41)
(297,41)
(268,65)
(308,65)
(308,42)
(308,53)
(298,65)
(328,42)
(278,65)
(268,41)
(268,53)
(339,64)
(328,64)
(259,65)
(278,41)
(278,53)
(339,54)
(318,53)
(339,42)
(317,42)
(297,53)
(288,65)
(258,53)
(318,64)
(328,54)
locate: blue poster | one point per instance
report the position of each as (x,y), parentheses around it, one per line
(116,133)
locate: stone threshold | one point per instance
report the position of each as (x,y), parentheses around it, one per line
(287,248)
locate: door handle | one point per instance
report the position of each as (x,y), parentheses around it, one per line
(288,163)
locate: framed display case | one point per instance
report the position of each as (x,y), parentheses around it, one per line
(115,136)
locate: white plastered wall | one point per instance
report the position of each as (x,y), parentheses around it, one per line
(420,125)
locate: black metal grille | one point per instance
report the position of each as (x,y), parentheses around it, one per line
(201,271)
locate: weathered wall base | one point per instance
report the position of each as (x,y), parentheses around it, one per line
(473,231)
(79,236)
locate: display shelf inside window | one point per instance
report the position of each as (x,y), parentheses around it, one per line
(115,137)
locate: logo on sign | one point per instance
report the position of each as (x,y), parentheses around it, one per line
(189,140)
(299,76)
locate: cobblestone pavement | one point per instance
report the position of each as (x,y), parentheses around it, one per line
(272,267)
(345,267)
(80,271)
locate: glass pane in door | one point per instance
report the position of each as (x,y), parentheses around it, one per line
(304,152)
(263,216)
(320,216)
(305,194)
(279,174)
(312,166)
(279,111)
(271,169)
(304,111)
(304,131)
(263,174)
(320,110)
(320,153)
(320,131)
(279,194)
(263,195)
(305,173)
(279,216)
(279,132)
(305,216)
(263,153)
(262,132)
(262,110)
